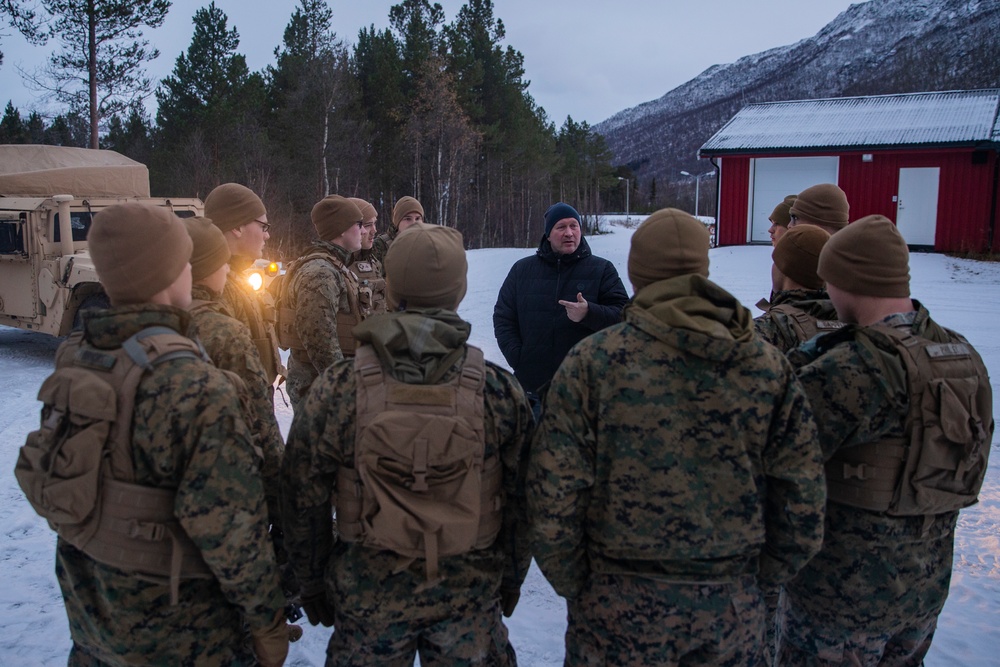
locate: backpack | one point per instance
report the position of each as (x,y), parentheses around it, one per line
(285,306)
(77,470)
(939,465)
(804,325)
(421,485)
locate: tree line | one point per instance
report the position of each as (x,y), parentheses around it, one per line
(437,110)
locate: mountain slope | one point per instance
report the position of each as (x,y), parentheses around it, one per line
(876,47)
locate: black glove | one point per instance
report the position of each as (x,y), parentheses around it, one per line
(508,600)
(318,609)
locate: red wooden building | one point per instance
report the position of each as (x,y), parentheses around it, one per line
(927,161)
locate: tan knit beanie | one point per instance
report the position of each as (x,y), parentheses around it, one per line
(231,205)
(867,257)
(367,210)
(210,247)
(426,268)
(138,250)
(823,204)
(797,254)
(780,215)
(403,206)
(667,244)
(334,215)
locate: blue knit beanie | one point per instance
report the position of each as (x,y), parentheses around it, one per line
(557,212)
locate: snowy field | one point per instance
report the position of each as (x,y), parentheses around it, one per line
(963,295)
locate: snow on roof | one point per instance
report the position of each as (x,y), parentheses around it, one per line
(960,117)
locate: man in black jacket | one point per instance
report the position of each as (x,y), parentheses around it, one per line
(551,301)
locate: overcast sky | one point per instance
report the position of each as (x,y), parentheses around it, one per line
(584,58)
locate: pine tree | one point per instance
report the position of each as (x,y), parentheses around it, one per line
(21,16)
(377,66)
(12,129)
(100,66)
(209,115)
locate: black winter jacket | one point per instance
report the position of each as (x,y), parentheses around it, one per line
(532,329)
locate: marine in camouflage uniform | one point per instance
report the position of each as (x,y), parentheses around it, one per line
(230,347)
(873,594)
(366,266)
(241,216)
(323,293)
(380,604)
(406,212)
(188,434)
(674,471)
(799,307)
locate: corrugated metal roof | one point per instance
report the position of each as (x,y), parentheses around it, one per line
(964,117)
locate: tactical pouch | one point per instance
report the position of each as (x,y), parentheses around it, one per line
(940,465)
(420,486)
(59,467)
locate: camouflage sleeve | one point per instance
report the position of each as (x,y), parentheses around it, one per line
(509,423)
(506,328)
(851,397)
(796,488)
(314,452)
(220,500)
(231,348)
(766,330)
(379,248)
(318,288)
(560,476)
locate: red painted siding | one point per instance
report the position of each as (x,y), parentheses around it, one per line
(734,201)
(967,205)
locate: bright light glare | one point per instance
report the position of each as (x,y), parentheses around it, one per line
(256,280)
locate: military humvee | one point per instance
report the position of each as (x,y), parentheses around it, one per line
(48,197)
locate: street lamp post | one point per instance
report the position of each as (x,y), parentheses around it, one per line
(697,183)
(627,188)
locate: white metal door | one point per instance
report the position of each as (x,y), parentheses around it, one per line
(917,204)
(774,178)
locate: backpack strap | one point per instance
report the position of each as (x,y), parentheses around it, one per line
(137,530)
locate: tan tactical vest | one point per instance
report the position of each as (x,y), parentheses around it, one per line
(288,335)
(939,465)
(421,485)
(77,470)
(371,287)
(804,325)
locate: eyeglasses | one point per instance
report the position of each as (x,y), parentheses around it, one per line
(266,226)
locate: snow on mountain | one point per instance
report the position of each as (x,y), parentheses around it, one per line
(876,47)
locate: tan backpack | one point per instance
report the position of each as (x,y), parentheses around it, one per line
(421,486)
(77,470)
(940,464)
(804,325)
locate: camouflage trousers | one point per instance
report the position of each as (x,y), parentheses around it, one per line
(872,595)
(471,636)
(627,620)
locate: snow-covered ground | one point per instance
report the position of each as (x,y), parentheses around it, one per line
(963,295)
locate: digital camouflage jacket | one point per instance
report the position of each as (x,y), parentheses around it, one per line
(876,573)
(227,342)
(319,291)
(249,308)
(381,585)
(779,327)
(675,446)
(188,434)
